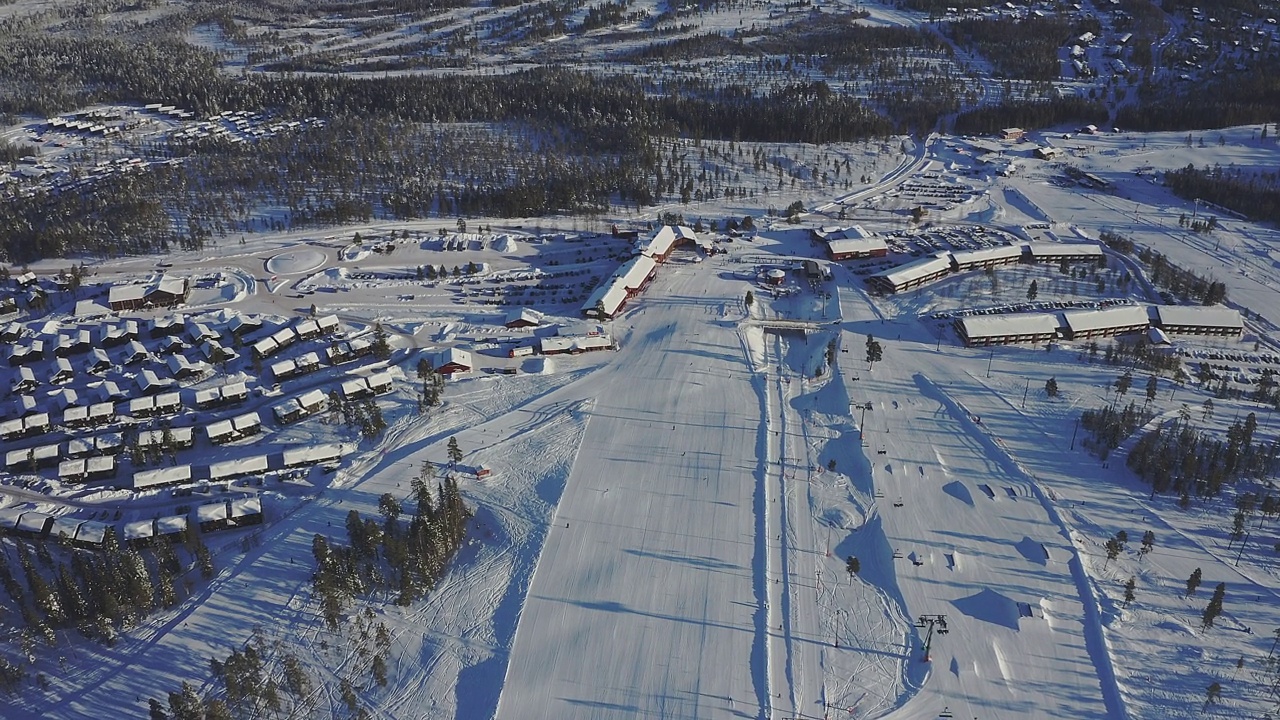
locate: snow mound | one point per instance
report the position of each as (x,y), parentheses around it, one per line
(296,262)
(504,244)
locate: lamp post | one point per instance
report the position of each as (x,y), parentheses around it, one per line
(1073,433)
(991,359)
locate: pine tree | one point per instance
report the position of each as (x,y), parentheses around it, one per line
(379,670)
(1148,543)
(852,565)
(455,453)
(1128,591)
(186,705)
(1051,387)
(1153,386)
(1214,609)
(1193,582)
(1033,291)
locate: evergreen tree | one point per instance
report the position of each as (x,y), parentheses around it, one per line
(1033,291)
(1148,543)
(1128,591)
(1153,386)
(186,704)
(1214,608)
(852,565)
(455,453)
(1051,387)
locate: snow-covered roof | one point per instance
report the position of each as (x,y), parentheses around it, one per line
(1121,316)
(856,245)
(172,285)
(635,271)
(312,399)
(915,270)
(138,530)
(243,507)
(212,512)
(1000,252)
(1040,249)
(71,468)
(219,429)
(9,517)
(328,323)
(526,315)
(665,238)
(456,356)
(1200,316)
(238,466)
(92,532)
(126,293)
(982,326)
(161,476)
(15,459)
(67,525)
(305,454)
(33,521)
(171,525)
(246,421)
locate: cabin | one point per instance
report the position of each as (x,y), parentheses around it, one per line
(328,324)
(98,362)
(246,511)
(34,524)
(32,459)
(61,372)
(242,325)
(138,532)
(523,318)
(348,350)
(24,380)
(304,455)
(135,353)
(212,516)
(239,467)
(181,438)
(64,528)
(171,528)
(307,329)
(31,352)
(161,477)
(453,360)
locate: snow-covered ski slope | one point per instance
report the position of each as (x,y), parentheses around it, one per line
(695,566)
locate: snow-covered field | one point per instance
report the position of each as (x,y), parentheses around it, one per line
(666,530)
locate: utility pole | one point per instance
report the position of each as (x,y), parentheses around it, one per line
(932,622)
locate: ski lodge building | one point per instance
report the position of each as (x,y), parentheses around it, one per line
(984,330)
(850,243)
(166,292)
(1108,322)
(1199,320)
(913,274)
